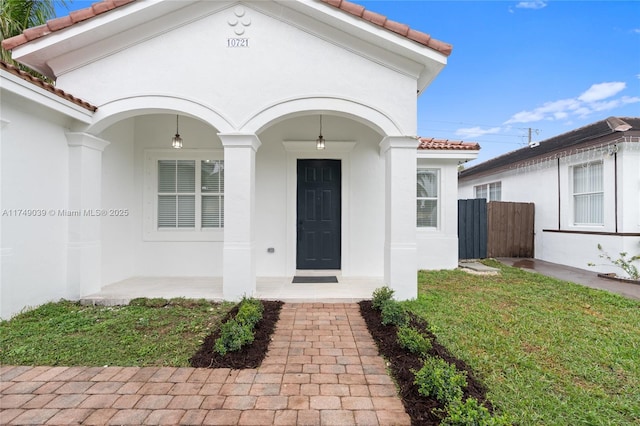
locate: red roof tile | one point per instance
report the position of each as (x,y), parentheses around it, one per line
(433,143)
(46,86)
(58,24)
(103,6)
(396,27)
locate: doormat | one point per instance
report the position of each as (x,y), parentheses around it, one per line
(323,279)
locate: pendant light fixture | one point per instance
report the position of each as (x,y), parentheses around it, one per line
(320,140)
(176,142)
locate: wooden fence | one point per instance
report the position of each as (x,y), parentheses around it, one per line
(510,229)
(495,229)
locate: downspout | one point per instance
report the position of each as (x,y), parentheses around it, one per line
(615,185)
(559,209)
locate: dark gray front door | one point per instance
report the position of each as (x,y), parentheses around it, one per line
(318,214)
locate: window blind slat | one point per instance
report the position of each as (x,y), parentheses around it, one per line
(186,211)
(427,189)
(166,176)
(167,211)
(186,176)
(177,194)
(211,176)
(212,211)
(588,194)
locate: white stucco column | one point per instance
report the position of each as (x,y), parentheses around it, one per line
(239,261)
(84,213)
(400,246)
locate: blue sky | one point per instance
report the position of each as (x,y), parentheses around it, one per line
(551,66)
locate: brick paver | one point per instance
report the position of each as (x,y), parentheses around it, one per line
(322,367)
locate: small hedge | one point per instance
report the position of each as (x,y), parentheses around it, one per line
(380,296)
(437,378)
(237,332)
(393,313)
(413,340)
(471,413)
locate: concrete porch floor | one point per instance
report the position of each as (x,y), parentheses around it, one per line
(279,288)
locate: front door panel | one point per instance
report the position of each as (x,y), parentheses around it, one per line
(318,214)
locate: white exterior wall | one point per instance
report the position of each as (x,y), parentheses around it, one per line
(277,87)
(141,73)
(283,64)
(34,177)
(362,193)
(119,233)
(438,247)
(539,184)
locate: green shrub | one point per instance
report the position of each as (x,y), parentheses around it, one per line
(393,313)
(440,379)
(471,413)
(413,341)
(238,331)
(249,312)
(381,295)
(233,335)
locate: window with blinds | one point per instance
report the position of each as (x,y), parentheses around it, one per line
(489,191)
(190,194)
(212,186)
(588,194)
(427,192)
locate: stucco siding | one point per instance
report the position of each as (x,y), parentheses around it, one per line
(282,63)
(34,191)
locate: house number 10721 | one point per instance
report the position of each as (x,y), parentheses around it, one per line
(237,42)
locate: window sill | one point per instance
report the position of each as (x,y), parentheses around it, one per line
(184,236)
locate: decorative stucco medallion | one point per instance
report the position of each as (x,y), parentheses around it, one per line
(239,21)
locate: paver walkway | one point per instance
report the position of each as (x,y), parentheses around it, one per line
(322,368)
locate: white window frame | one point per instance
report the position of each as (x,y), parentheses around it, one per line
(151,232)
(487,188)
(589,193)
(437,198)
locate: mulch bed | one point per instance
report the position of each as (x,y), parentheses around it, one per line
(250,356)
(400,362)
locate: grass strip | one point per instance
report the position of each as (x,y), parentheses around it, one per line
(147,332)
(550,352)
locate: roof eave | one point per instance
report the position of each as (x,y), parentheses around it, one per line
(432,59)
(25,89)
(40,53)
(449,154)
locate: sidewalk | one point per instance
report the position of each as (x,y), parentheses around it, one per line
(579,276)
(322,368)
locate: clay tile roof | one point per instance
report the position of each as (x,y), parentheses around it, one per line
(58,24)
(103,6)
(433,143)
(46,86)
(396,27)
(603,131)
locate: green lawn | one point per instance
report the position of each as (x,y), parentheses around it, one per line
(148,332)
(550,352)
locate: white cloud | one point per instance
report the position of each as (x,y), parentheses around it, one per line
(536,4)
(474,132)
(601,91)
(596,98)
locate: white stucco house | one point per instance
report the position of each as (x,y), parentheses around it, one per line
(93,191)
(585,185)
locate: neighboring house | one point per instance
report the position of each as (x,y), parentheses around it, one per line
(93,192)
(585,185)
